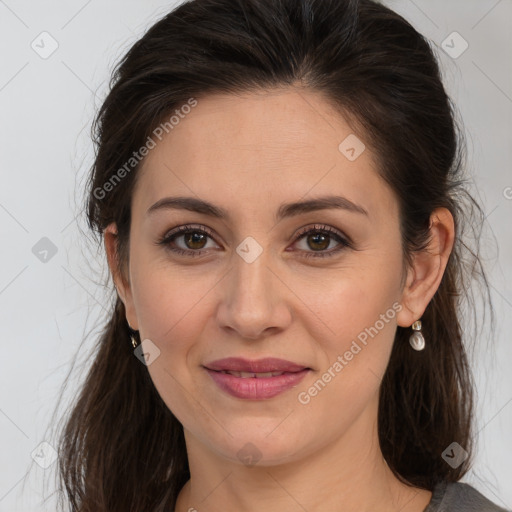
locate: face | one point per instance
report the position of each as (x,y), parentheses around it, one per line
(317,287)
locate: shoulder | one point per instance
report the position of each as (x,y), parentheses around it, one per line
(460,497)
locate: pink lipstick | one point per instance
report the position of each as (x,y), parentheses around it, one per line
(255,379)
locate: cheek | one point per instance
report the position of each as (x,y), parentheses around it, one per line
(355,354)
(334,307)
(338,311)
(354,309)
(172,308)
(170,301)
(358,314)
(349,300)
(362,326)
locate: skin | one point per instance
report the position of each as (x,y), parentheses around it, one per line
(249,154)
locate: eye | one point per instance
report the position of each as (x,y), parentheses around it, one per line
(319,238)
(194,240)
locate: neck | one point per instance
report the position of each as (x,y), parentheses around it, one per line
(348,474)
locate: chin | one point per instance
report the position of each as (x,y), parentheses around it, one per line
(259,445)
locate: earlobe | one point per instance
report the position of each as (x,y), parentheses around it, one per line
(406,316)
(428,267)
(122,286)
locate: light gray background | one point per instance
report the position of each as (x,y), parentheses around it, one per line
(47,309)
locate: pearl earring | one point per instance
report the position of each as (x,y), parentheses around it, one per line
(417,340)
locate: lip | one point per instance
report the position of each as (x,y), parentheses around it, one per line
(259,387)
(267,364)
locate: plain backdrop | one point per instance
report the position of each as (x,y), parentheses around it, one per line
(52,303)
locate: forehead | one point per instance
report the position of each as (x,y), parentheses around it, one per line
(256,149)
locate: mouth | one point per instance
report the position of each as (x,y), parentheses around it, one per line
(247,375)
(255,379)
(255,366)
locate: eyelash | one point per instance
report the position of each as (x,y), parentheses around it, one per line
(317,229)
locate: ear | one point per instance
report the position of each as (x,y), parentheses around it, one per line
(121,282)
(424,277)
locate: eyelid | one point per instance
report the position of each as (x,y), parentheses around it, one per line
(178,231)
(301,231)
(324,228)
(343,240)
(188,227)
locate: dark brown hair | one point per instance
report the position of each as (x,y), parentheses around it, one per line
(122,449)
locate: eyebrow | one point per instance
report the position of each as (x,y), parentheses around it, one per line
(285,210)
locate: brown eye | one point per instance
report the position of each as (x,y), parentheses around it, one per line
(187,240)
(316,240)
(195,240)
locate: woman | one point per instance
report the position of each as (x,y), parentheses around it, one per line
(278,184)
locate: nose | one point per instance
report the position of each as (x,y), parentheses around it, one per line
(253,299)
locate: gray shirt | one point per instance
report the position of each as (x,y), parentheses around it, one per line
(460,497)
